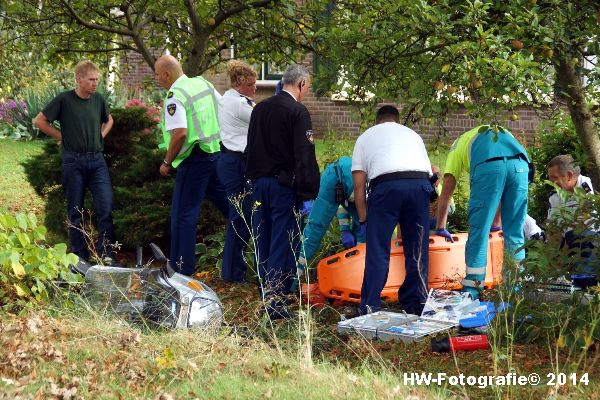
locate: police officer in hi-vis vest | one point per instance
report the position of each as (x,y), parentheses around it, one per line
(191,132)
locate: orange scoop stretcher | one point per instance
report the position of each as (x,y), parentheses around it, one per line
(340,276)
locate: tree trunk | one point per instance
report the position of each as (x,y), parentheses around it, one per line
(193,65)
(582,118)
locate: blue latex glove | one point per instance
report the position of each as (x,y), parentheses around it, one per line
(363,229)
(306,207)
(496,228)
(348,239)
(445,234)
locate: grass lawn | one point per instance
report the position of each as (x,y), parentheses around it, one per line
(16,194)
(68,350)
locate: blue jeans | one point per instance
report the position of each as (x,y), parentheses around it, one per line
(231,169)
(196,177)
(81,171)
(403,201)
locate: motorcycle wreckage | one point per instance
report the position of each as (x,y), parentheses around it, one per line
(154,296)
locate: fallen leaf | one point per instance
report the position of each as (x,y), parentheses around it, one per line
(33,324)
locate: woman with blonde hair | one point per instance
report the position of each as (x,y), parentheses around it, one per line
(235,108)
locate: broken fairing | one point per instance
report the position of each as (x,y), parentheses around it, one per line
(156,297)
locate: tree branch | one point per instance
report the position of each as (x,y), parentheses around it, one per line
(136,31)
(91,25)
(99,51)
(193,14)
(223,14)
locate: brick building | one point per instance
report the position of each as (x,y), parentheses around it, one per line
(335,115)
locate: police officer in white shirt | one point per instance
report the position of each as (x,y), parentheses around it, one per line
(393,158)
(235,108)
(564,172)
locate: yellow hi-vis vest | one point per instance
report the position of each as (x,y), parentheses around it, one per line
(198,98)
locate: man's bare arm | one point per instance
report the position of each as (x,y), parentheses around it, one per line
(42,123)
(107,126)
(444,200)
(360,198)
(177,139)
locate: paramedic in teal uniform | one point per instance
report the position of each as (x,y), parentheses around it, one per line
(498,168)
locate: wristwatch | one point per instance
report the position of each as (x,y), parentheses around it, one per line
(168,164)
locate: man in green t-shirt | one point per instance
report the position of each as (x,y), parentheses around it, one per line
(84,122)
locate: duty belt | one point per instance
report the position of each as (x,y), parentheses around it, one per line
(505,158)
(235,153)
(196,150)
(392,176)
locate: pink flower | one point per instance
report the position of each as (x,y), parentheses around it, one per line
(135,103)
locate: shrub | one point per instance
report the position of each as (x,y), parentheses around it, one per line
(142,197)
(574,324)
(28,265)
(14,132)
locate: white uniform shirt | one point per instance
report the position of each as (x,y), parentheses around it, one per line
(530,227)
(175,114)
(234,117)
(389,147)
(557,203)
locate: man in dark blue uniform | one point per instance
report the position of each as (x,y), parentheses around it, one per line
(394,159)
(283,167)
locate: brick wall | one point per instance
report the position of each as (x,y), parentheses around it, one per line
(134,71)
(337,116)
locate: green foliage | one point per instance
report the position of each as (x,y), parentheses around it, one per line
(142,198)
(459,220)
(14,132)
(26,69)
(210,252)
(333,146)
(573,321)
(27,264)
(556,136)
(271,30)
(490,56)
(487,56)
(33,102)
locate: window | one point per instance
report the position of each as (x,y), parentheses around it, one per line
(269,71)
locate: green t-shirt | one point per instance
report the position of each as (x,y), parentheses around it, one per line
(458,158)
(80,120)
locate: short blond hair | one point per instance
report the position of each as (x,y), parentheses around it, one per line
(83,67)
(240,73)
